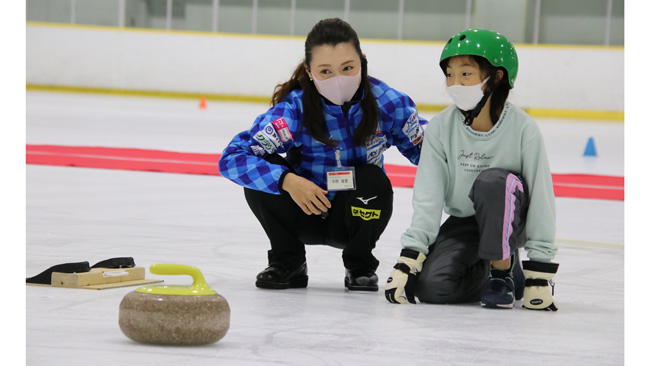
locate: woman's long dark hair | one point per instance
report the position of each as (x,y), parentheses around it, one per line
(500,89)
(329,32)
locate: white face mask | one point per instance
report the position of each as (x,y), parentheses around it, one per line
(467,97)
(339,89)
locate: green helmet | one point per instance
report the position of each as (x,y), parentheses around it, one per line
(488,44)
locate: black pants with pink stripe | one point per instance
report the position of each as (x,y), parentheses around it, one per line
(458,264)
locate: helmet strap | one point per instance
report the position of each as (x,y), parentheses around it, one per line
(471,115)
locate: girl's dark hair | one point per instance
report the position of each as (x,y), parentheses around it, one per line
(500,90)
(329,32)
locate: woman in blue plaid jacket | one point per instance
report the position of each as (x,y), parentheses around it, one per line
(312,165)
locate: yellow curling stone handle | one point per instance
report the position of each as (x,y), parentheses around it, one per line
(198,288)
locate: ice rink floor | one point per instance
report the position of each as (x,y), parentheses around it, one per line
(85,214)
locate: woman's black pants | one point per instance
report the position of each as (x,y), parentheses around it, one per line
(354,223)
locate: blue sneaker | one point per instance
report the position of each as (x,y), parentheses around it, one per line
(499,291)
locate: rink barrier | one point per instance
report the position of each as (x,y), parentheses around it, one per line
(587,186)
(194,62)
(605,116)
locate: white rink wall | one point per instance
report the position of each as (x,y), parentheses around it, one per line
(550,77)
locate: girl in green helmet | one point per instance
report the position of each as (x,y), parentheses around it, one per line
(484,163)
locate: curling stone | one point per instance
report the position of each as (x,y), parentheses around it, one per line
(175,315)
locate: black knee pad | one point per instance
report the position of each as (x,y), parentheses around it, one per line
(436,291)
(373,188)
(490,179)
(365,211)
(447,288)
(372,178)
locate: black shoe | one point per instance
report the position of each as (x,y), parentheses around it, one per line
(361,280)
(277,277)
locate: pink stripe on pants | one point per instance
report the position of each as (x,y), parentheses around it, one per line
(512,185)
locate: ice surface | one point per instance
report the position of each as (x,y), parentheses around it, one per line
(78,214)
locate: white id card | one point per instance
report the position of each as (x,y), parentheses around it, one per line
(341,179)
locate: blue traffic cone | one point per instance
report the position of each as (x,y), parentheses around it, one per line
(590,150)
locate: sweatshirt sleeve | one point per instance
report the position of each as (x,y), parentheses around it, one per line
(242,161)
(429,189)
(540,222)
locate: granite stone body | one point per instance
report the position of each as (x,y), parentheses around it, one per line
(174,319)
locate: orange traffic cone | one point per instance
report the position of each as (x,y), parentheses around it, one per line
(202,104)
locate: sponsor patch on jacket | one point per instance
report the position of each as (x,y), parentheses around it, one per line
(412,128)
(258,151)
(282,129)
(375,147)
(365,214)
(268,138)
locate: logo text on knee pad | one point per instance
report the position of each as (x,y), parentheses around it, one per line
(366,200)
(365,213)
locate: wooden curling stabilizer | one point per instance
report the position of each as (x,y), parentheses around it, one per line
(175,315)
(101,278)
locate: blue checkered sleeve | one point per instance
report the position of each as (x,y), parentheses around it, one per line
(410,132)
(242,161)
(400,115)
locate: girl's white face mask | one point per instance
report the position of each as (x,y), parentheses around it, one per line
(339,89)
(467,97)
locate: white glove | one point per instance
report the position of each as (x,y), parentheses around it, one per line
(400,286)
(537,294)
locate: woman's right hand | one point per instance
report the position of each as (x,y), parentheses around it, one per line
(310,197)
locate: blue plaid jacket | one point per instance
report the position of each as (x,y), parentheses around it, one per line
(279,129)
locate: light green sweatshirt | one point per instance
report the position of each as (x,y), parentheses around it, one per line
(453,155)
